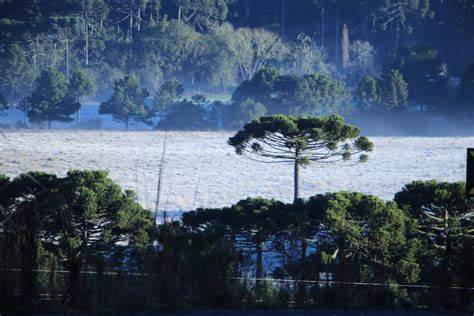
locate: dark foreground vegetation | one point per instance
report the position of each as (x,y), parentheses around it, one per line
(80,242)
(213,64)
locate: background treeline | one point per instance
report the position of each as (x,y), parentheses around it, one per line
(81,242)
(343,56)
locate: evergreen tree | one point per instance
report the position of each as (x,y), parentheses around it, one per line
(50,101)
(301,141)
(88,216)
(445,226)
(79,86)
(367,94)
(169,92)
(128,102)
(393,90)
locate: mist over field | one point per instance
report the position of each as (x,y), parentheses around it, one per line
(201,170)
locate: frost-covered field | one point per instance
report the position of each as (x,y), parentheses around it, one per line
(202,170)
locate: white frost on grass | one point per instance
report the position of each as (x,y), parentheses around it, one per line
(203,171)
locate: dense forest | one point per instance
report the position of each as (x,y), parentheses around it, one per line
(94,248)
(271,56)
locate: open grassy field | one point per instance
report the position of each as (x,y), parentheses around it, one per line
(201,170)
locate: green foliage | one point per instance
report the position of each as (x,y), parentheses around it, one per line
(304,139)
(17,72)
(402,15)
(417,194)
(88,214)
(50,99)
(366,94)
(169,92)
(367,237)
(79,85)
(127,102)
(312,94)
(362,61)
(245,111)
(393,90)
(423,70)
(300,140)
(185,115)
(444,226)
(202,13)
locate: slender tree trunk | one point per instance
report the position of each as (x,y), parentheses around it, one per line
(283,17)
(86,35)
(139,20)
(49,124)
(127,123)
(345,46)
(296,181)
(259,268)
(29,258)
(302,272)
(337,41)
(446,264)
(322,25)
(67,57)
(179,13)
(74,268)
(130,26)
(78,118)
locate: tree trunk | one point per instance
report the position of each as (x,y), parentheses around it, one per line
(337,41)
(78,118)
(127,123)
(74,268)
(67,57)
(86,34)
(345,46)
(259,268)
(130,27)
(179,13)
(322,26)
(139,20)
(283,17)
(49,124)
(29,258)
(296,181)
(446,264)
(302,272)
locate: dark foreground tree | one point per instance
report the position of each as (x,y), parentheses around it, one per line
(21,214)
(128,102)
(301,141)
(89,215)
(445,226)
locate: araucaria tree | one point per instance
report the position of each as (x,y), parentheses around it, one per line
(87,216)
(301,141)
(128,102)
